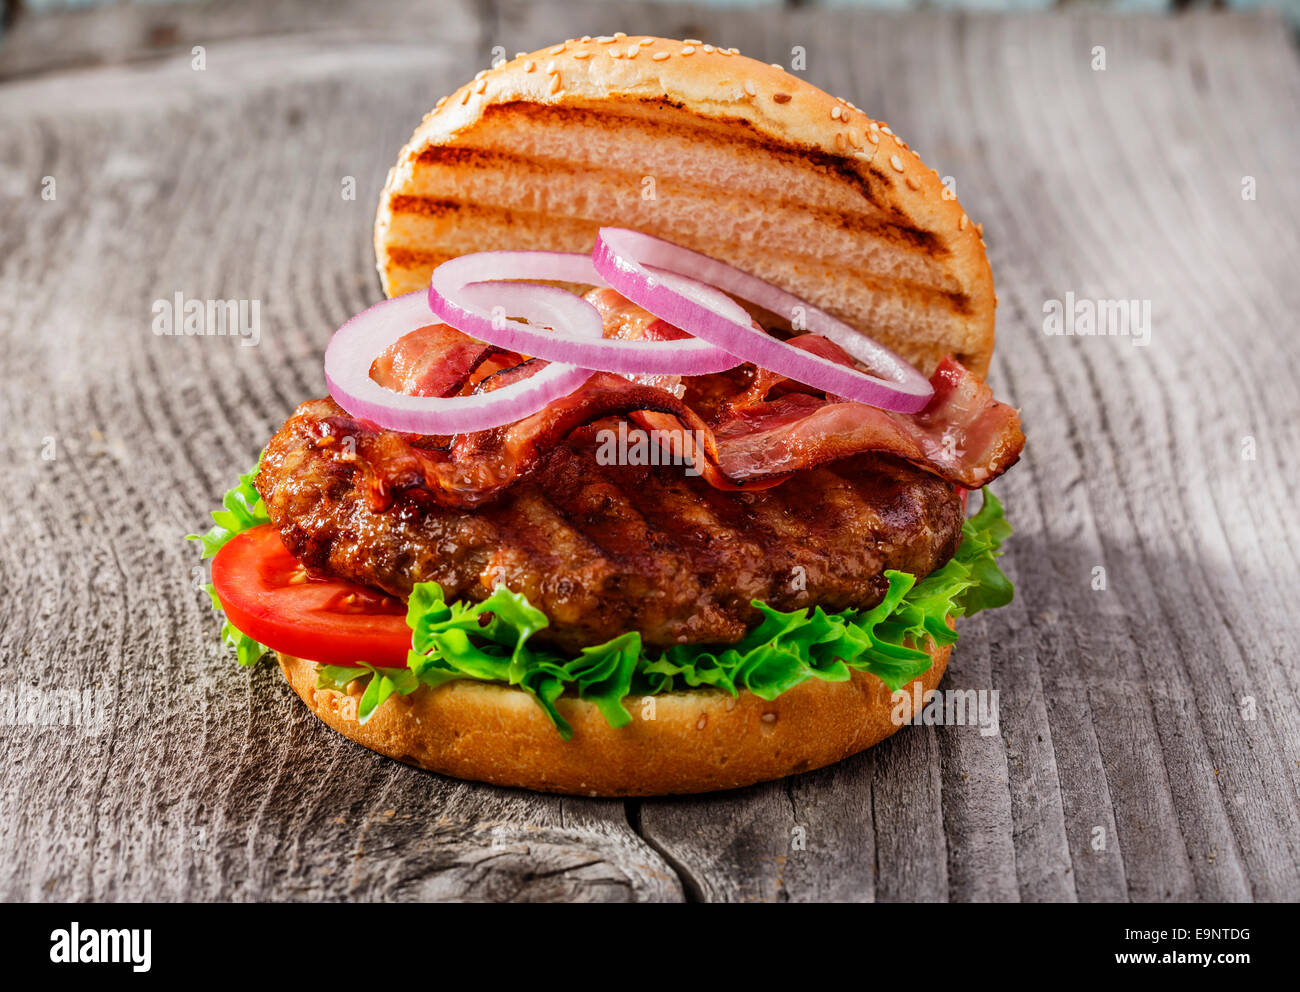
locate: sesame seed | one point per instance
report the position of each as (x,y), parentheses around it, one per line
(441,101)
(520,55)
(620,34)
(961,224)
(777,65)
(733,51)
(646,41)
(605,39)
(853,140)
(781,97)
(709,48)
(557,50)
(659,56)
(688,50)
(632,51)
(692,41)
(465,99)
(530,65)
(480,74)
(551,68)
(839,140)
(836,113)
(482,85)
(555,83)
(750,88)
(723,51)
(873,137)
(615,53)
(885,128)
(699,724)
(586,37)
(768,718)
(865,156)
(896,162)
(913,182)
(582,55)
(980,228)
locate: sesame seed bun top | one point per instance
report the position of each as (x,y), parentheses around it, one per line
(705,147)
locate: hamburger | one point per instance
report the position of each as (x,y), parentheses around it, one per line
(650,475)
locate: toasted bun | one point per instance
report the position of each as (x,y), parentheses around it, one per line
(704,147)
(694,741)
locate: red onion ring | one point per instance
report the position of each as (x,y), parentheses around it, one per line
(637,265)
(466,292)
(357,343)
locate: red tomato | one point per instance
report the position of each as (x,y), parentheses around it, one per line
(271,598)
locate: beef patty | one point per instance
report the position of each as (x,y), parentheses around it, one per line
(605,549)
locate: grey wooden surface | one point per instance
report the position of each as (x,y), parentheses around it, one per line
(1125,712)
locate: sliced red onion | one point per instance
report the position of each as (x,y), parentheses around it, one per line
(641,267)
(356,344)
(467,293)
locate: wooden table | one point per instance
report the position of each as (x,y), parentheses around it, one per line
(1149,745)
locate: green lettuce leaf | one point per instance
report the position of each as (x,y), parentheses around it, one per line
(243,510)
(381,683)
(491,641)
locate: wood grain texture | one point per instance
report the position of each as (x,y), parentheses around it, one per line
(1121,710)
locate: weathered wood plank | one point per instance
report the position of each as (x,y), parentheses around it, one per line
(1120,708)
(1123,711)
(207,782)
(108,34)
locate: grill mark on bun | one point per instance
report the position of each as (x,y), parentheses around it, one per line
(723,131)
(761,169)
(420,260)
(491,160)
(428,206)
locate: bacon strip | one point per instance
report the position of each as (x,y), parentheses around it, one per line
(963,435)
(768,430)
(436,360)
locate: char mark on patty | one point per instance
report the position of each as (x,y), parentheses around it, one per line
(606,549)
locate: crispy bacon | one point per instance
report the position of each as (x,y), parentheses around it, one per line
(963,435)
(436,360)
(626,321)
(763,430)
(765,382)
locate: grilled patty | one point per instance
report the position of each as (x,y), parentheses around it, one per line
(606,549)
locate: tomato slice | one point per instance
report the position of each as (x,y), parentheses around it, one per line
(268,595)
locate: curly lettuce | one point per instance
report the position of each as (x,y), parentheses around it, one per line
(491,641)
(242,509)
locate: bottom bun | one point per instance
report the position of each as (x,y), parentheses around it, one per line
(678,742)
